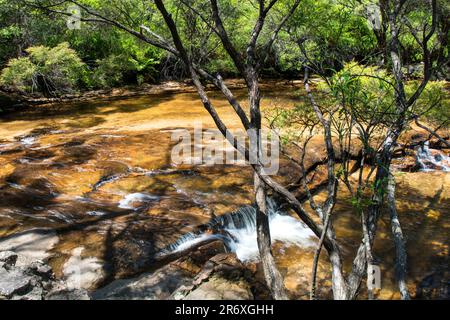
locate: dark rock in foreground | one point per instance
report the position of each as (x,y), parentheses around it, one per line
(33,281)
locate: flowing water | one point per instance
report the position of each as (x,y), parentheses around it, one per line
(432,160)
(238,232)
(91,186)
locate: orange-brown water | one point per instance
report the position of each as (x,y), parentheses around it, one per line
(67,167)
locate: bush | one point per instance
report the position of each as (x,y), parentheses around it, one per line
(362,97)
(47,70)
(364,91)
(433,103)
(110,71)
(116,70)
(19,74)
(369,92)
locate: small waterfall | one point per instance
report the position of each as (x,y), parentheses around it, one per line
(238,232)
(431,160)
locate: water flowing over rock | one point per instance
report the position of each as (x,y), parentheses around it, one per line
(133,200)
(430,159)
(238,231)
(62,181)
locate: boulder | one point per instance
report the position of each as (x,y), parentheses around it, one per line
(164,281)
(67,294)
(32,281)
(13,281)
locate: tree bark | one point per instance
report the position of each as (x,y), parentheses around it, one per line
(271,274)
(397,233)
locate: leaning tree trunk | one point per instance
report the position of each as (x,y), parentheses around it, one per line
(397,233)
(272,276)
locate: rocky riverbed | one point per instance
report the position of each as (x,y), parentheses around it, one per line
(209,273)
(89,188)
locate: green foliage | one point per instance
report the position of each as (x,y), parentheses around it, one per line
(434,102)
(364,92)
(116,70)
(57,69)
(331,32)
(19,74)
(368,93)
(110,71)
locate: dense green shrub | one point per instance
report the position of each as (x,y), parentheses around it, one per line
(19,74)
(117,70)
(47,70)
(434,102)
(110,71)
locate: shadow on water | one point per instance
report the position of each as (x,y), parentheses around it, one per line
(72,183)
(92,109)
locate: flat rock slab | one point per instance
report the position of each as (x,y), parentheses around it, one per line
(13,282)
(149,286)
(218,288)
(30,245)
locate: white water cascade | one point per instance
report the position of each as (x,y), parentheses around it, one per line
(238,231)
(431,160)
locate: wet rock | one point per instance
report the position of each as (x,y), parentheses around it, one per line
(36,293)
(433,286)
(30,245)
(41,269)
(82,272)
(10,101)
(163,282)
